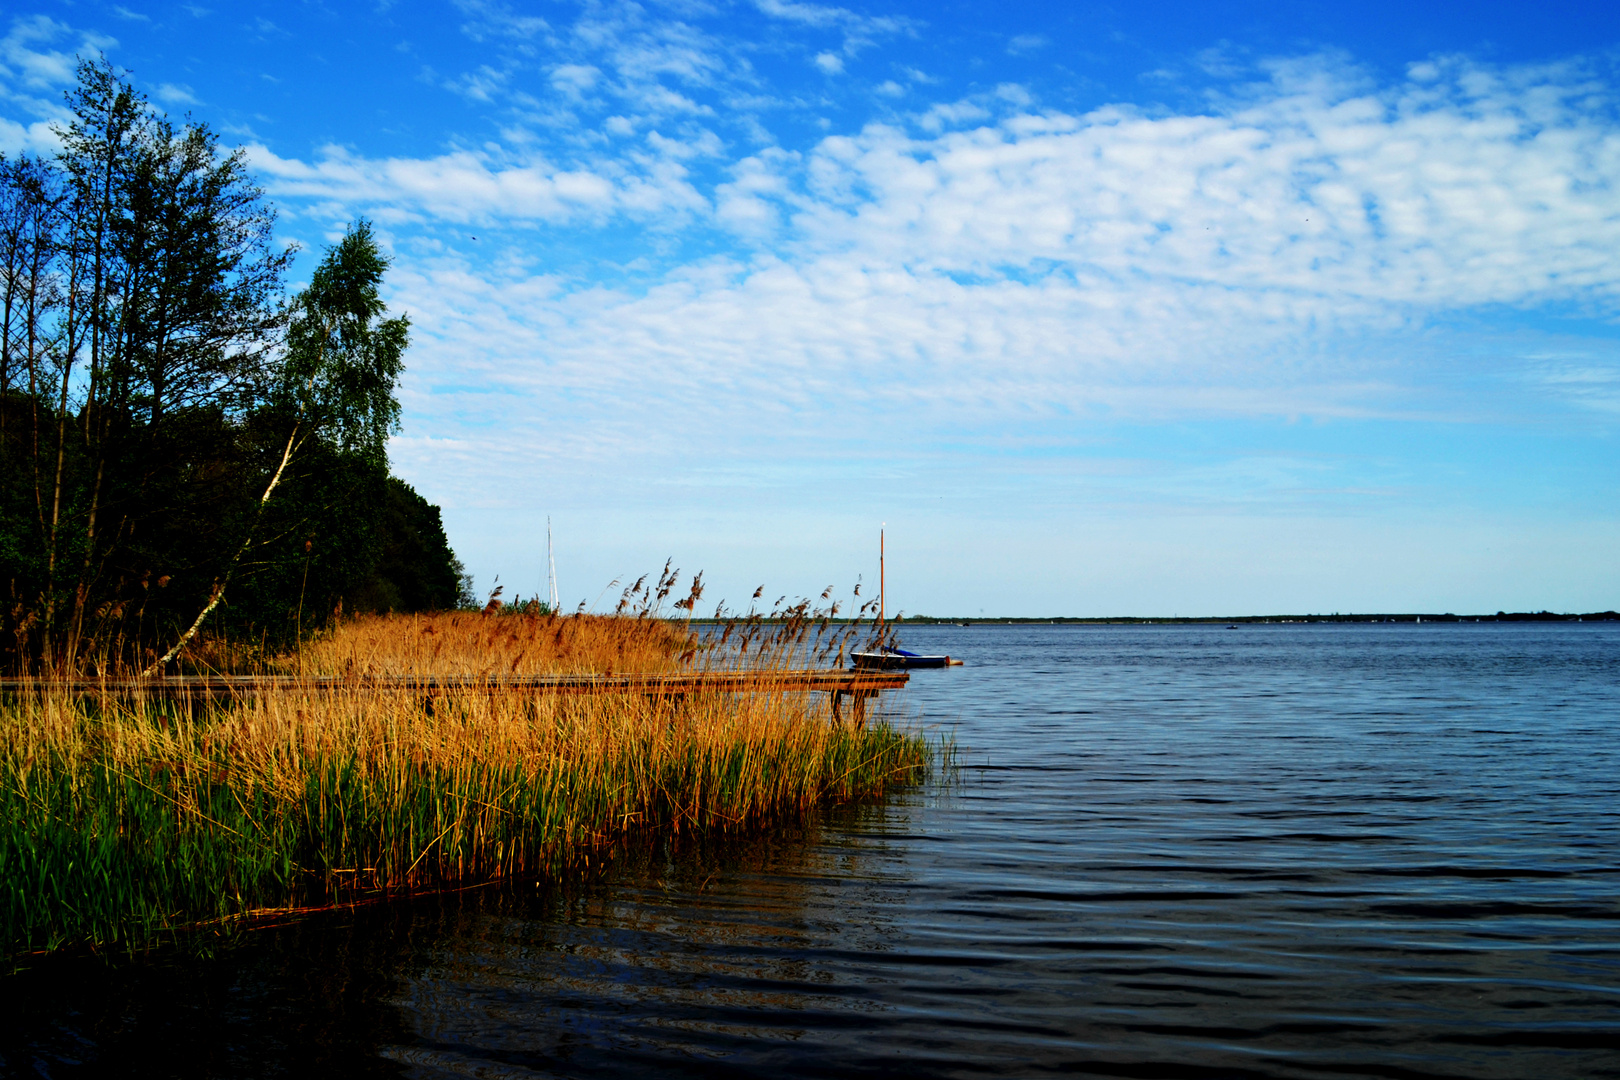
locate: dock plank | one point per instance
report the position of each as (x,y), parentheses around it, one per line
(831,680)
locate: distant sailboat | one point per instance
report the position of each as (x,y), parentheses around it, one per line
(551,570)
(892,656)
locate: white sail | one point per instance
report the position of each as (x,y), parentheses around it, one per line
(551,569)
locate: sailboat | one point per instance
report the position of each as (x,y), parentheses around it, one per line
(892,656)
(551,570)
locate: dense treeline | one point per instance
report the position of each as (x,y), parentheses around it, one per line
(178,438)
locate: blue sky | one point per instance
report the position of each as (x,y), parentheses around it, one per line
(1152,309)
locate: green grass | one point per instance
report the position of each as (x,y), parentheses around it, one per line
(119,826)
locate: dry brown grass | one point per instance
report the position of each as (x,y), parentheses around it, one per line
(470,643)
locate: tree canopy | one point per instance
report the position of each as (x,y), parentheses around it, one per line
(170,420)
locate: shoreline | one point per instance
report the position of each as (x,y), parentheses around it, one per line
(1220,620)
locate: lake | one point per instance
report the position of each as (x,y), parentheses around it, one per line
(1383,850)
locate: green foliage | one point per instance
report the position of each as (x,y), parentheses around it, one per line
(152,379)
(98,854)
(343,357)
(414,569)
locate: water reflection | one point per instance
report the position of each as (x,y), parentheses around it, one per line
(304,1000)
(708,955)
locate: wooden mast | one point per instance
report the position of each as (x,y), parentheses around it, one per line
(883,617)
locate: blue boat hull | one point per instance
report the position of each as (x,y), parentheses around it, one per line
(892,660)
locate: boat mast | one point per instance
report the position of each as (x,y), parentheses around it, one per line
(551,568)
(882,615)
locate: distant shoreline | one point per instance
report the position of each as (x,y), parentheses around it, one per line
(1198,620)
(1222,620)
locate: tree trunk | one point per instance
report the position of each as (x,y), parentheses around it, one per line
(218,592)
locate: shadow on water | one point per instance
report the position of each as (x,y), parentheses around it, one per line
(308,998)
(592,975)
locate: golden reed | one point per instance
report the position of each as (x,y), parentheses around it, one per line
(120,821)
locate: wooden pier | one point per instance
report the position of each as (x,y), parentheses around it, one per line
(858,686)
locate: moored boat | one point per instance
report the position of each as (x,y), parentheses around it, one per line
(887,656)
(891,656)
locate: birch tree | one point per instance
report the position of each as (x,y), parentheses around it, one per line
(337,381)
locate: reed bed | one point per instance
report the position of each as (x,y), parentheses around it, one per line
(122,821)
(468,643)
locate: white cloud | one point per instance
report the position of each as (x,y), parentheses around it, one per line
(809,14)
(952,114)
(34,69)
(1495,188)
(175,94)
(829,63)
(574,78)
(486,21)
(858,31)
(1038,256)
(823,16)
(1583,382)
(661,100)
(1280,256)
(484,84)
(35,138)
(463,186)
(1026,43)
(745,204)
(616,67)
(28,60)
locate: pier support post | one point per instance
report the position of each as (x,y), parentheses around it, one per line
(858,713)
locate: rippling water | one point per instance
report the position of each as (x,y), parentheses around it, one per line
(1277,851)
